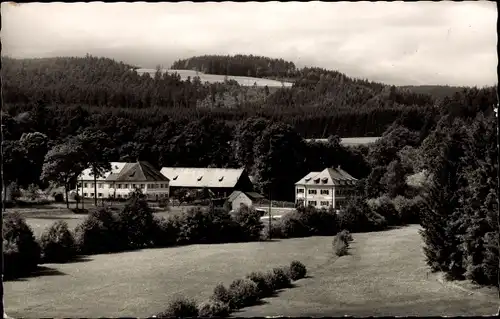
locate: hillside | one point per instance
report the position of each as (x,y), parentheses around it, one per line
(436,91)
(319,103)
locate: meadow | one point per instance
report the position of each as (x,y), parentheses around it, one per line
(384,274)
(212,78)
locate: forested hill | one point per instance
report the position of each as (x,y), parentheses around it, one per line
(239,65)
(320,103)
(436,91)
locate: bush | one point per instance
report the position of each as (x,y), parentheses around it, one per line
(297,270)
(242,292)
(213,225)
(211,308)
(340,248)
(137,222)
(180,307)
(345,235)
(292,226)
(21,251)
(409,209)
(276,231)
(221,294)
(80,211)
(358,217)
(341,243)
(57,243)
(318,221)
(249,223)
(264,285)
(99,233)
(166,231)
(385,207)
(280,278)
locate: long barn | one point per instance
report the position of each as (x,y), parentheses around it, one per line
(221,181)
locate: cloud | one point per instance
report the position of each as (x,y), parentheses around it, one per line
(397,43)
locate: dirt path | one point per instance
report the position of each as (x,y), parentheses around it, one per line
(385,275)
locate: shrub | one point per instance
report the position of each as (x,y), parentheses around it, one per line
(180,307)
(340,248)
(358,217)
(213,225)
(249,223)
(276,231)
(211,308)
(166,231)
(280,278)
(221,294)
(345,235)
(21,251)
(137,222)
(318,221)
(264,285)
(291,225)
(297,270)
(385,207)
(57,243)
(341,243)
(80,211)
(99,233)
(409,209)
(242,292)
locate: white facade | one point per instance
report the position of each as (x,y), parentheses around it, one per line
(107,189)
(323,196)
(114,183)
(331,187)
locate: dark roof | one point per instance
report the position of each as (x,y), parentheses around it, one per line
(138,172)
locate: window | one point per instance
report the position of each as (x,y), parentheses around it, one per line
(133,185)
(100,185)
(85,194)
(86,185)
(119,196)
(118,185)
(79,185)
(99,194)
(325,203)
(92,185)
(91,194)
(300,191)
(142,186)
(125,186)
(325,192)
(312,203)
(313,191)
(161,185)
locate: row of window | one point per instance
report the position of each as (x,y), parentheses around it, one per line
(338,203)
(120,196)
(339,192)
(125,186)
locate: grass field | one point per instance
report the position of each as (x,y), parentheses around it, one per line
(385,275)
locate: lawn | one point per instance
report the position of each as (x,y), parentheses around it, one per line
(385,275)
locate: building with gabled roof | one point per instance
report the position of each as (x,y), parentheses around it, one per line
(237,198)
(331,187)
(221,181)
(123,179)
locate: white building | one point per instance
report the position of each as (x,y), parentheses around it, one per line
(330,187)
(123,179)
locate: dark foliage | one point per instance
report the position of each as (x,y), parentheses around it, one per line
(58,244)
(20,249)
(297,270)
(180,307)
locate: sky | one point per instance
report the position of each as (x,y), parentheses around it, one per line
(399,43)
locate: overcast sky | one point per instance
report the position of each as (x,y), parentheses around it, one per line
(399,43)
